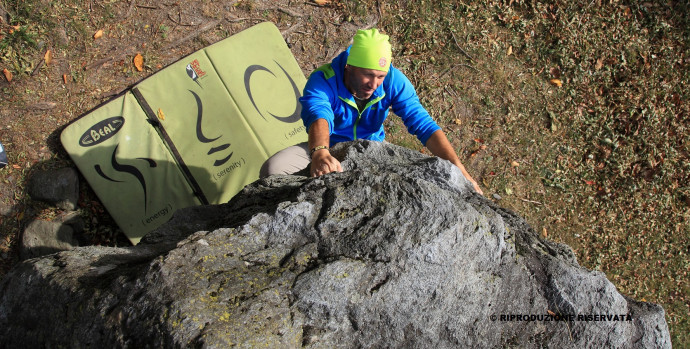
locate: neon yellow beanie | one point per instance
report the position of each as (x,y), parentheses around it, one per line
(370,50)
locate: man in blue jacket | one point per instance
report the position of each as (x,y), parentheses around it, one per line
(349,99)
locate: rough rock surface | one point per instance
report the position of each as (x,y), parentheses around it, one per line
(58,187)
(397,251)
(41,237)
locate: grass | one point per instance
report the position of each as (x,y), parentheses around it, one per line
(600,161)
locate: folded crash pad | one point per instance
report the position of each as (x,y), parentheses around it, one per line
(194,133)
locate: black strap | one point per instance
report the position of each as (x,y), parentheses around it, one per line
(153,120)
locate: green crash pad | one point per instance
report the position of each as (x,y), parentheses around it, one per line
(194,133)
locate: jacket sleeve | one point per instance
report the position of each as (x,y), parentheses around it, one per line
(406,105)
(317,100)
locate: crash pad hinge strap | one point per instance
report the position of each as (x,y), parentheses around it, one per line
(153,120)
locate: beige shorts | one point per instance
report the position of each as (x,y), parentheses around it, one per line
(287,161)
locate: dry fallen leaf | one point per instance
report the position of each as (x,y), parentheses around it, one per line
(64,78)
(627,12)
(543,232)
(321,2)
(600,64)
(8,74)
(556,82)
(514,164)
(139,62)
(98,34)
(510,50)
(457,121)
(48,57)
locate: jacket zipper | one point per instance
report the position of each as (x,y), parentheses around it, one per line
(359,114)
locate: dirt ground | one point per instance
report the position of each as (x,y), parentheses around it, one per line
(87,69)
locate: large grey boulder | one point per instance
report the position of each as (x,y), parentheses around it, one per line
(397,251)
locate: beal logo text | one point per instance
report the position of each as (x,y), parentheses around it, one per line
(101,131)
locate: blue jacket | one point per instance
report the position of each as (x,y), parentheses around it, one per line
(326,97)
